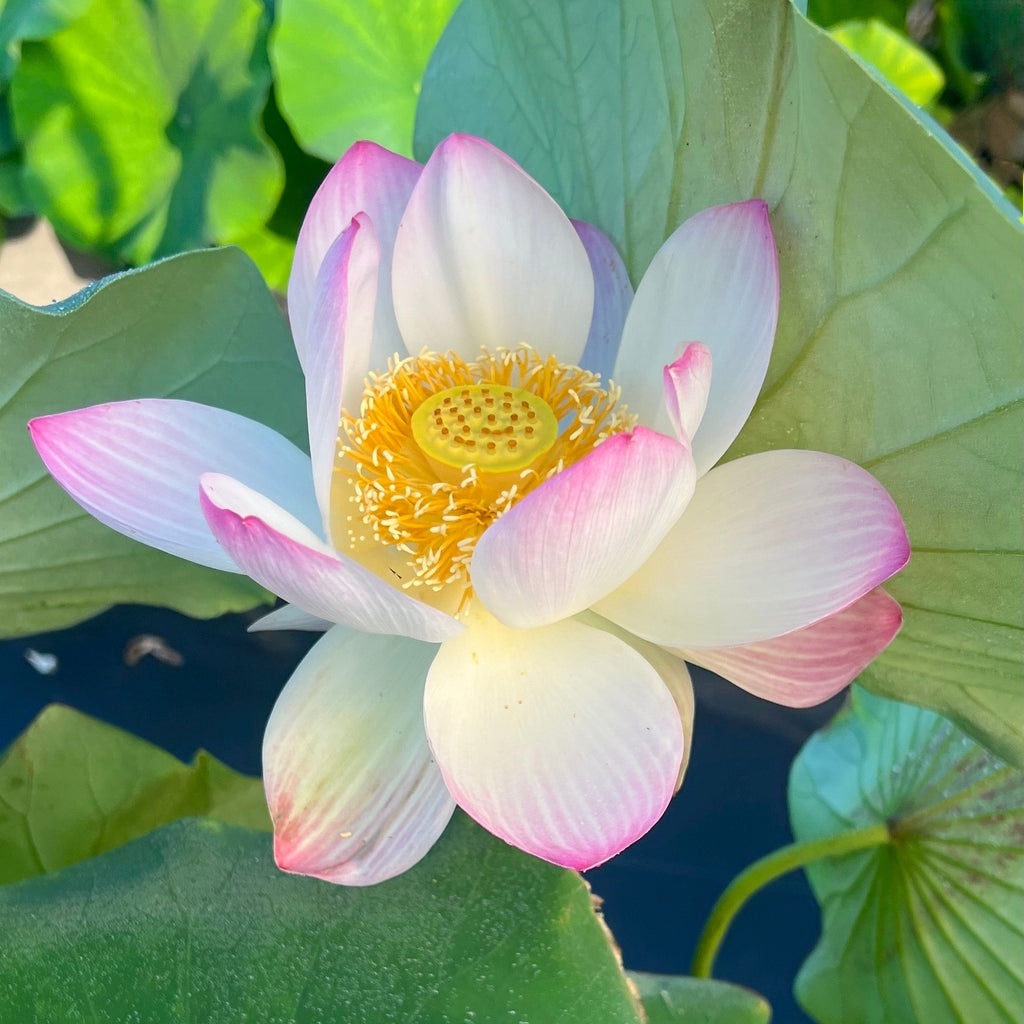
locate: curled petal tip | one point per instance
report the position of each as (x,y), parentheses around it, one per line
(687,386)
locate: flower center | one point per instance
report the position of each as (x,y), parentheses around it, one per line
(498,428)
(443,446)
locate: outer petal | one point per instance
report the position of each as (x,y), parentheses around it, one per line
(770,543)
(341,333)
(716,280)
(277,551)
(612,297)
(367,179)
(135,466)
(289,617)
(687,385)
(810,665)
(353,791)
(583,532)
(484,256)
(563,741)
(674,674)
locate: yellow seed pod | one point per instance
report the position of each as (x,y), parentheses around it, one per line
(498,428)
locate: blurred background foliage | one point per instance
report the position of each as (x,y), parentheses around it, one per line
(141,128)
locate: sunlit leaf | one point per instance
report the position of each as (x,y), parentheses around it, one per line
(72,787)
(829,12)
(931,926)
(140,125)
(21,20)
(201,326)
(193,924)
(351,69)
(901,272)
(272,247)
(905,65)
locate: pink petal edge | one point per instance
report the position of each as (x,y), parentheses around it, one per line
(687,385)
(583,532)
(279,553)
(353,792)
(135,467)
(367,179)
(716,279)
(340,341)
(770,543)
(563,740)
(810,665)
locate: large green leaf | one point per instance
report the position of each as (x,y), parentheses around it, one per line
(193,923)
(351,69)
(931,926)
(899,334)
(201,326)
(72,787)
(140,125)
(671,999)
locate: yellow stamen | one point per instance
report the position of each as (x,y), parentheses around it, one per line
(410,502)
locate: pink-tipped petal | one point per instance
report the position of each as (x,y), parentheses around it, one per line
(339,357)
(562,740)
(280,553)
(810,665)
(289,617)
(367,179)
(612,297)
(484,256)
(716,278)
(354,794)
(687,384)
(583,532)
(769,544)
(135,466)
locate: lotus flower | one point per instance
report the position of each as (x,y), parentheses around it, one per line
(511,555)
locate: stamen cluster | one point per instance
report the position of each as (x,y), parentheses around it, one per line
(387,491)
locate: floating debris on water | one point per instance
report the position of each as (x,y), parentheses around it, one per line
(150,644)
(45,664)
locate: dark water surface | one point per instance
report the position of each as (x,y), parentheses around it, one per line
(731,810)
